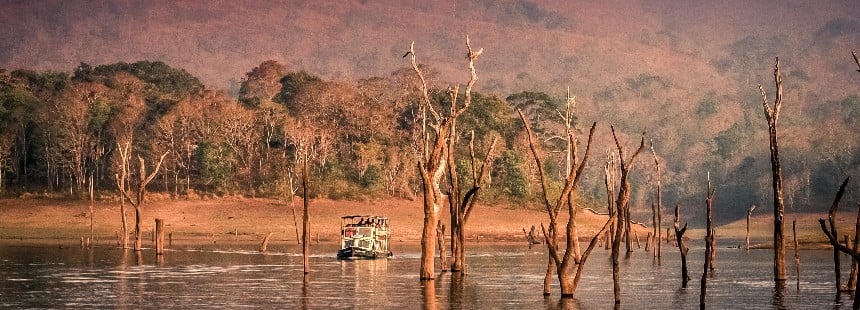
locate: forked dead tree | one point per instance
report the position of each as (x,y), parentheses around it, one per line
(461,208)
(622,209)
(140,191)
(563,261)
(431,163)
(771,113)
(121,185)
(831,219)
(831,237)
(679,239)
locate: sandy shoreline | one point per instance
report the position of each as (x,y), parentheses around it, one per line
(249,220)
(245,219)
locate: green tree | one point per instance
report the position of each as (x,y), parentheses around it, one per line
(510,175)
(216,166)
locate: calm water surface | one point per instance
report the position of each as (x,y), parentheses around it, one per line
(499,277)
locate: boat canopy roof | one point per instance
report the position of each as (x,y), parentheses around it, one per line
(346,217)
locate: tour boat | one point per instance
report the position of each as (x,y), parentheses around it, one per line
(364,237)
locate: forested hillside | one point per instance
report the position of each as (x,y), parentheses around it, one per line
(229,89)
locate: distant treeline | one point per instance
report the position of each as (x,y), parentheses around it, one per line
(58,130)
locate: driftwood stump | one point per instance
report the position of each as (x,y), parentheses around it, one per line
(159,236)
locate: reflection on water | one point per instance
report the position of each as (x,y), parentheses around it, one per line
(501,277)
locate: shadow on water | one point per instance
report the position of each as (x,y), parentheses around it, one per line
(555,303)
(457,290)
(306,282)
(779,295)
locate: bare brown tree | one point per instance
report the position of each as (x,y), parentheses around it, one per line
(831,219)
(831,237)
(431,164)
(563,261)
(622,208)
(709,244)
(679,239)
(440,242)
(139,194)
(461,208)
(658,232)
(796,254)
(749,217)
(306,221)
(852,276)
(771,113)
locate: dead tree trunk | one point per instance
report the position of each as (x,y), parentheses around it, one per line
(92,213)
(709,245)
(140,192)
(627,240)
(797,255)
(831,219)
(296,225)
(658,247)
(772,116)
(563,262)
(610,171)
(440,242)
(461,208)
(852,277)
(121,178)
(306,225)
(749,216)
(831,237)
(431,164)
(679,239)
(622,208)
(159,236)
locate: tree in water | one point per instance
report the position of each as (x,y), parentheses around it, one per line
(461,208)
(433,154)
(771,113)
(622,209)
(563,262)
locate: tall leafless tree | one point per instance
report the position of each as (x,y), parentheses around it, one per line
(709,243)
(749,217)
(461,207)
(622,208)
(658,233)
(831,237)
(679,239)
(139,195)
(563,261)
(431,164)
(771,112)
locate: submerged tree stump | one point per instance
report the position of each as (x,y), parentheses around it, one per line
(159,236)
(749,216)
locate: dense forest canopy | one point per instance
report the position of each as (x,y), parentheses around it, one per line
(231,96)
(61,128)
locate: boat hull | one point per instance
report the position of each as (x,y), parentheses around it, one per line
(359,253)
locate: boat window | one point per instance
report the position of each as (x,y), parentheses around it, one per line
(363,231)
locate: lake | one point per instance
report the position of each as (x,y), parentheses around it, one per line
(499,277)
